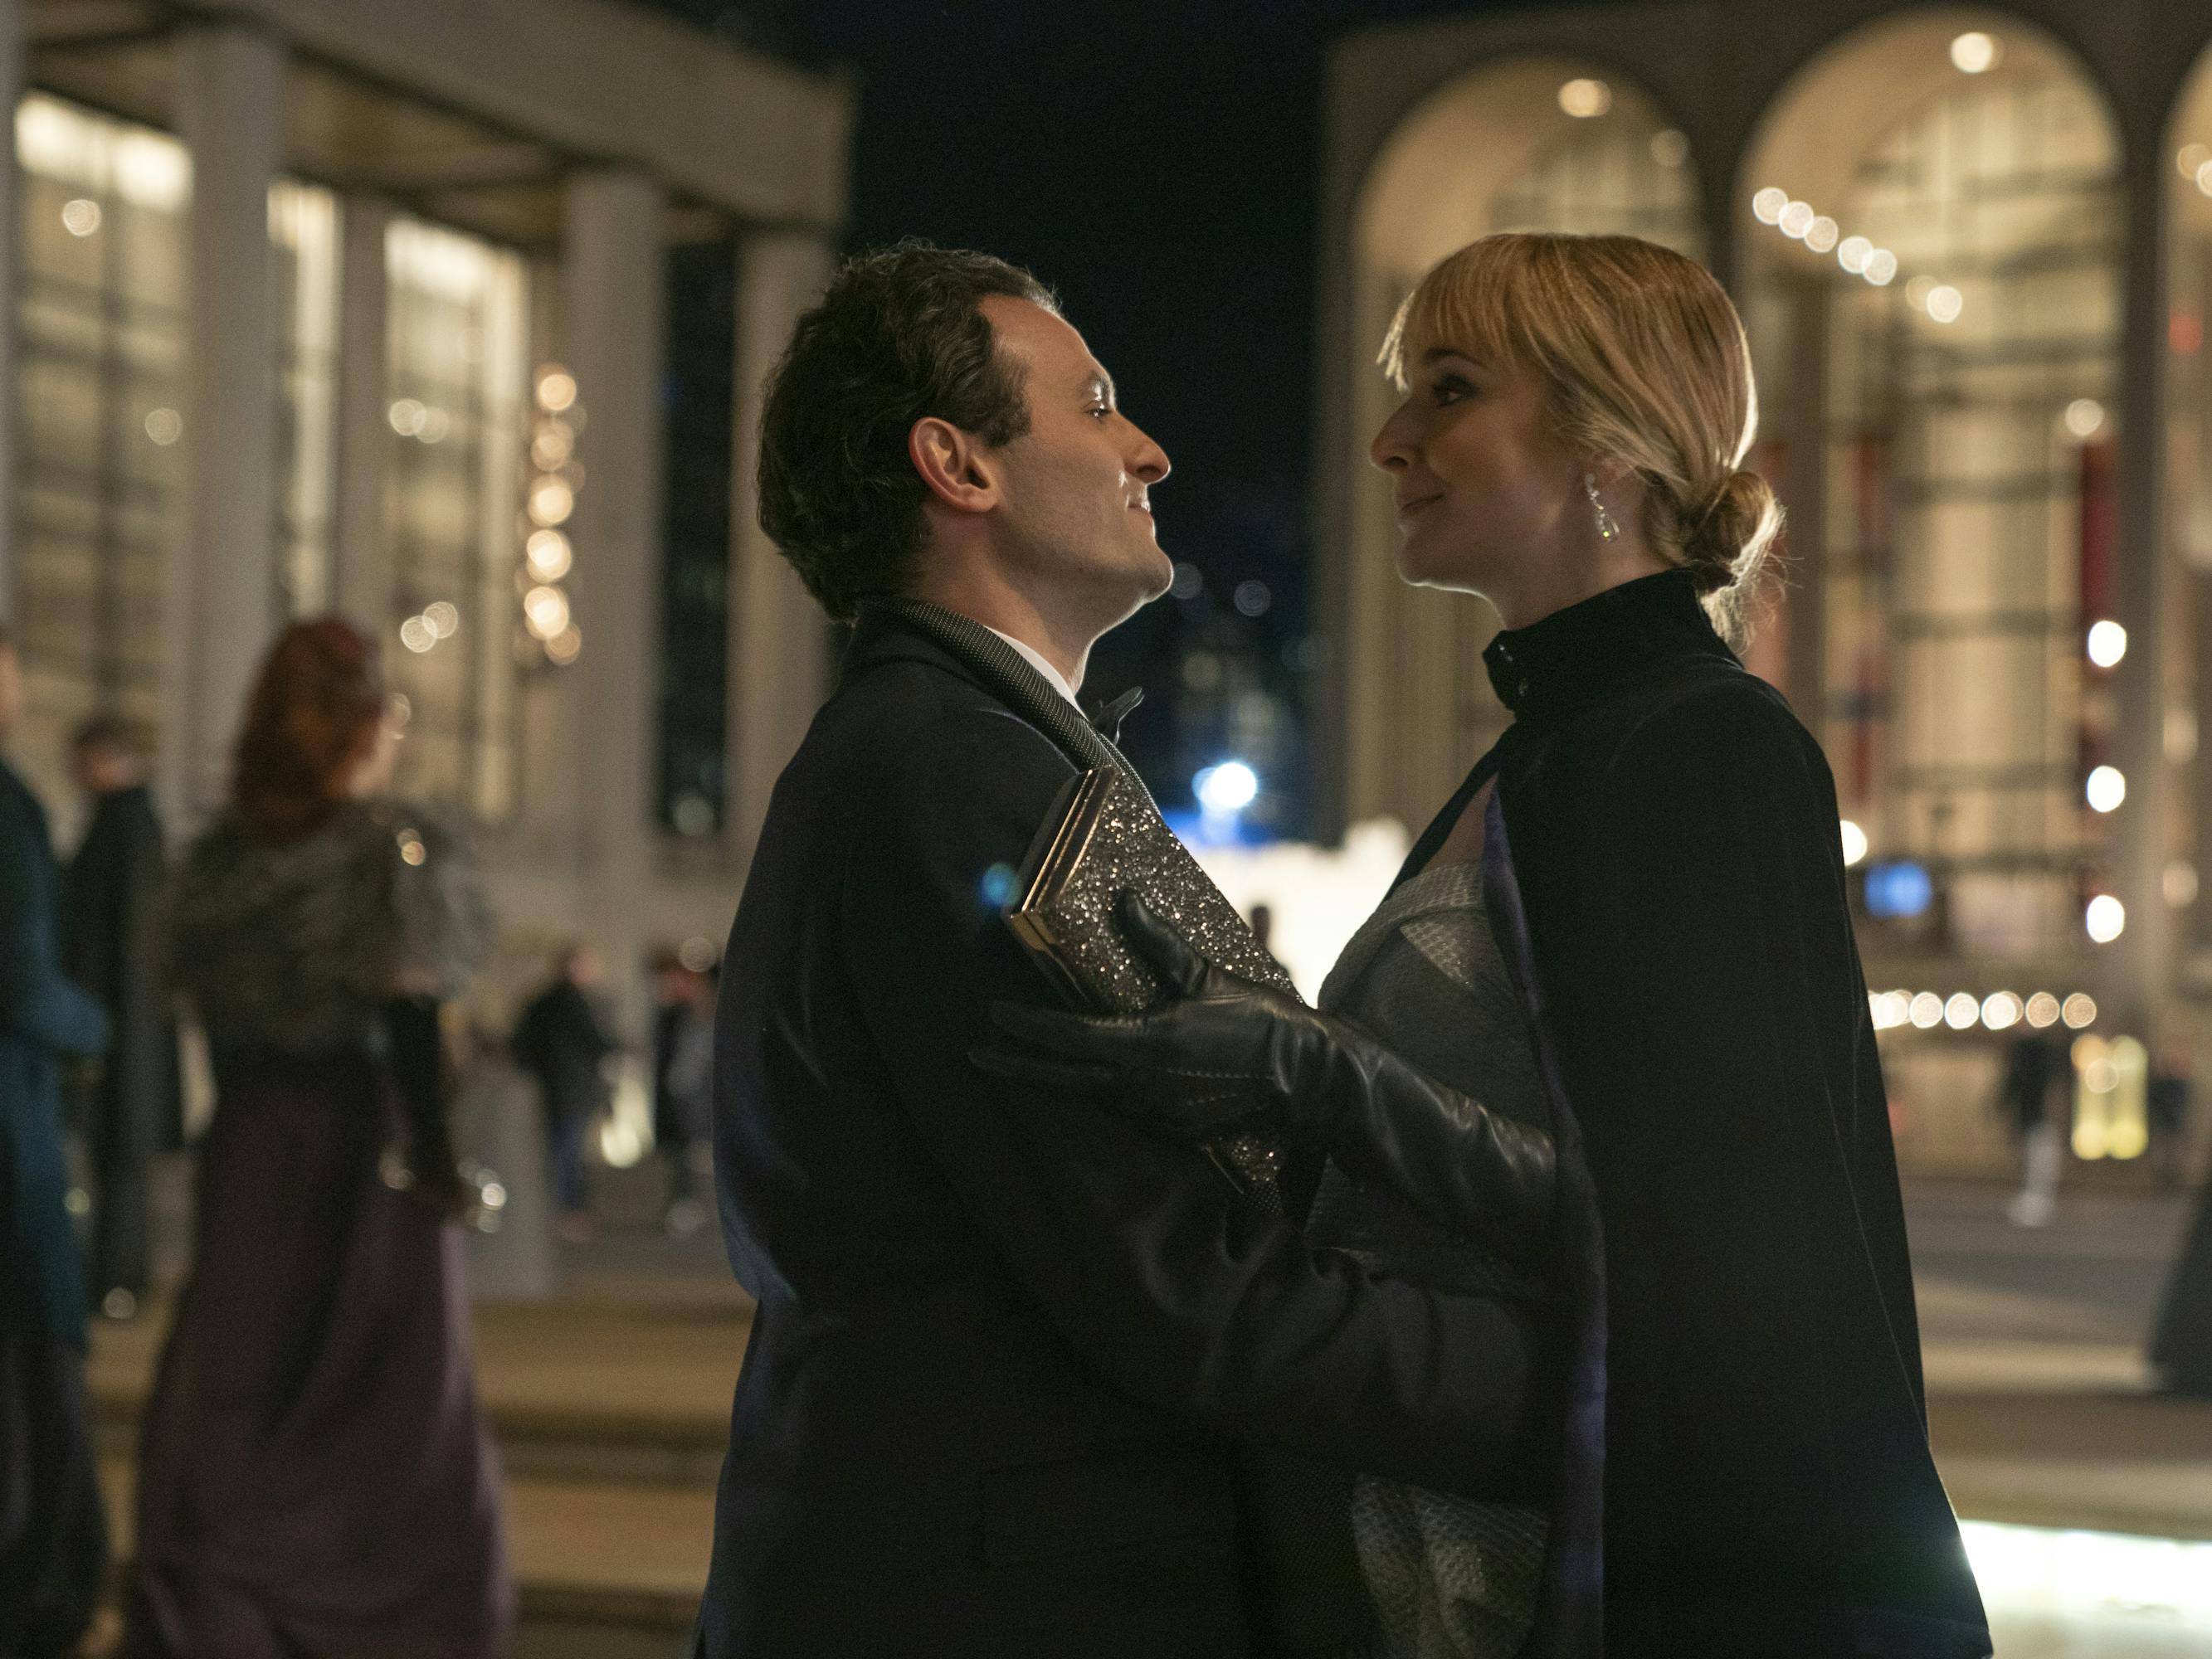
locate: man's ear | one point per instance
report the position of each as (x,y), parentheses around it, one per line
(953,464)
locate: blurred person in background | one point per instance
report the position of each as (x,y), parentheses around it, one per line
(2034,1063)
(132,1107)
(53,1533)
(683,1082)
(562,1040)
(2168,1094)
(315,1480)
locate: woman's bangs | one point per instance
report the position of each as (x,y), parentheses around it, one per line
(1466,305)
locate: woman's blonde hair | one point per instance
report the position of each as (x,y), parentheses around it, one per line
(1644,364)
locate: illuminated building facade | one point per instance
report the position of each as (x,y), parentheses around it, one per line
(362,307)
(1974,251)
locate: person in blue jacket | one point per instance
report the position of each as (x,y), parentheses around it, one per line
(53,1533)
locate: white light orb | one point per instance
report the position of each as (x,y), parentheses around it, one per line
(2001,1010)
(551,445)
(1584,98)
(1945,303)
(2107,643)
(1880,268)
(2179,882)
(548,554)
(2042,1010)
(1975,53)
(80,216)
(2083,416)
(1797,219)
(407,416)
(552,500)
(2190,157)
(1925,1011)
(2204,177)
(1962,1011)
(556,389)
(2079,1009)
(2106,788)
(1229,787)
(2106,919)
(443,618)
(417,636)
(164,426)
(1767,206)
(545,610)
(564,646)
(1851,253)
(436,424)
(1855,843)
(1820,235)
(2180,735)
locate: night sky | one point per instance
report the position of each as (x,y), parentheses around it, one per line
(1157,163)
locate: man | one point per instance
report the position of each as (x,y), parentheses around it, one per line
(683,1082)
(561,1040)
(132,1110)
(1005,1344)
(53,1535)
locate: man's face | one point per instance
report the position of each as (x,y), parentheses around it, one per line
(100,769)
(1077,507)
(11,688)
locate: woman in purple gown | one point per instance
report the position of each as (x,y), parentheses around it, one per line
(316,1481)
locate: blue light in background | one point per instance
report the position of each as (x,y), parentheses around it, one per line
(1901,889)
(1229,787)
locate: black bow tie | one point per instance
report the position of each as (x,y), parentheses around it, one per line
(1106,720)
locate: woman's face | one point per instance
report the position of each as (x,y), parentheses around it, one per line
(1486,494)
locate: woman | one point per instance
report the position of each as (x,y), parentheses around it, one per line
(1746,1470)
(315,1478)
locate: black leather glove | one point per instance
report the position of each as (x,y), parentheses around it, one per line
(1221,1050)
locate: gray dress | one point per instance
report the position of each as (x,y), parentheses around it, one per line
(1452,1577)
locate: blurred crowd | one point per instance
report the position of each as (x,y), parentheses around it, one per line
(313,1464)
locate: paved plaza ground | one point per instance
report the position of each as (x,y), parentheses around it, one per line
(610,1401)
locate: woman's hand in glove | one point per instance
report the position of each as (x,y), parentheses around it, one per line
(1220,1050)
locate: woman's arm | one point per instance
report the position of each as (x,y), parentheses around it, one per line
(1221,1049)
(35,1000)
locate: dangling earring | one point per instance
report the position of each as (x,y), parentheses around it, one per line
(1606,529)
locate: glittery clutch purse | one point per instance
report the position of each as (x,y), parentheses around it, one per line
(1102,838)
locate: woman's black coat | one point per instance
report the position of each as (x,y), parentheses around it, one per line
(1767,1487)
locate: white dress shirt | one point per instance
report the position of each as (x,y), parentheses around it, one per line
(1037,662)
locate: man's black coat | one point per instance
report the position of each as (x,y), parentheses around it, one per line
(1768,1488)
(1003,1342)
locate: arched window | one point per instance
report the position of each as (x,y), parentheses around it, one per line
(458,374)
(1536,144)
(1931,228)
(2188,516)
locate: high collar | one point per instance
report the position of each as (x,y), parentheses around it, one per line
(1600,642)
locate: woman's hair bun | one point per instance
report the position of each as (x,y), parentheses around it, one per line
(1725,537)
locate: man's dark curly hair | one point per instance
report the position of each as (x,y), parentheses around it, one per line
(898,338)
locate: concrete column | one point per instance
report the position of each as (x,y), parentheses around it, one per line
(779,656)
(11,89)
(2139,965)
(222,607)
(362,530)
(613,294)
